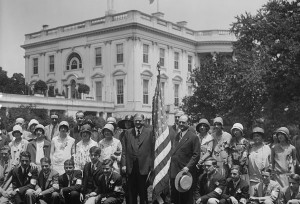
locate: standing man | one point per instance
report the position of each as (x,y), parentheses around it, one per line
(184,157)
(75,132)
(177,116)
(52,129)
(137,159)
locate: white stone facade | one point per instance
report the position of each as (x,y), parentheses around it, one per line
(138,34)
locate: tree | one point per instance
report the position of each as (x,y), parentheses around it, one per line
(83,88)
(40,87)
(3,80)
(261,84)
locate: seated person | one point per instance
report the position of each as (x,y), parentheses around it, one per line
(210,185)
(70,183)
(24,179)
(237,189)
(291,194)
(5,175)
(46,190)
(267,191)
(91,171)
(109,185)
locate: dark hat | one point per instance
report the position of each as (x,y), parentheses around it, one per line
(86,128)
(121,123)
(183,181)
(203,121)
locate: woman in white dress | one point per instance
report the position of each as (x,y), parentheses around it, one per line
(111,148)
(18,145)
(82,155)
(62,147)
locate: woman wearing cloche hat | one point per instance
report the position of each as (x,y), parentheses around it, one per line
(238,150)
(283,157)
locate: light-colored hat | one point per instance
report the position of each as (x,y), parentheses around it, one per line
(258,130)
(283,130)
(218,120)
(63,123)
(109,127)
(179,113)
(33,122)
(111,120)
(39,126)
(183,181)
(238,126)
(17,128)
(20,121)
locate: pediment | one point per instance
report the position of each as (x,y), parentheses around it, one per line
(51,81)
(119,72)
(97,75)
(147,73)
(177,78)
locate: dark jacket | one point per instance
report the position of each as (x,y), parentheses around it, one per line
(205,191)
(50,184)
(89,177)
(75,133)
(286,195)
(31,148)
(111,188)
(240,191)
(145,155)
(25,181)
(76,182)
(184,153)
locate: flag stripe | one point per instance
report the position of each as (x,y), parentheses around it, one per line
(162,148)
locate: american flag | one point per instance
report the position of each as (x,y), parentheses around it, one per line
(162,150)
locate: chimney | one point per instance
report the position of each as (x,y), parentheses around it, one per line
(182,23)
(158,15)
(45,27)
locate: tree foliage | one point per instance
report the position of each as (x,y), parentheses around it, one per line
(262,83)
(40,86)
(13,85)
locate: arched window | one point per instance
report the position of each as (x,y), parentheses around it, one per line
(74,61)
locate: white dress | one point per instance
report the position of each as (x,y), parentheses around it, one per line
(16,149)
(62,152)
(82,155)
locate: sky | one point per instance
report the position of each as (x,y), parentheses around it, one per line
(20,17)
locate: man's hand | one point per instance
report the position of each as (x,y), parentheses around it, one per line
(185,169)
(233,200)
(81,197)
(33,165)
(198,201)
(124,169)
(38,191)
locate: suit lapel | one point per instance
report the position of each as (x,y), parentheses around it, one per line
(41,180)
(132,136)
(48,179)
(182,141)
(20,176)
(142,136)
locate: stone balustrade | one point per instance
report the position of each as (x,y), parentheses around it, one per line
(132,16)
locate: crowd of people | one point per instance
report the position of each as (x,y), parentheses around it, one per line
(62,164)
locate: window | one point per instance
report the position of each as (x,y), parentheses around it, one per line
(119,53)
(190,61)
(190,90)
(162,85)
(74,64)
(176,95)
(145,53)
(120,91)
(98,91)
(162,57)
(51,63)
(35,66)
(145,91)
(98,57)
(74,61)
(176,60)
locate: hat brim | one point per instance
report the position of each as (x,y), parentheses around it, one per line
(177,180)
(121,124)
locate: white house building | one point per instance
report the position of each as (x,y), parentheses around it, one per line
(117,55)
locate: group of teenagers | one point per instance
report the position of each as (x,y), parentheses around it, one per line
(58,164)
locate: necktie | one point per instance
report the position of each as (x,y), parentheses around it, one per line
(265,190)
(139,132)
(180,136)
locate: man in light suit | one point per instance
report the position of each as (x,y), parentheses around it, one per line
(267,191)
(52,129)
(137,159)
(184,157)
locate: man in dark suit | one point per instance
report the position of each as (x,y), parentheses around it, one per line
(137,159)
(184,157)
(291,194)
(210,185)
(47,185)
(91,171)
(75,131)
(109,183)
(237,189)
(70,183)
(24,179)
